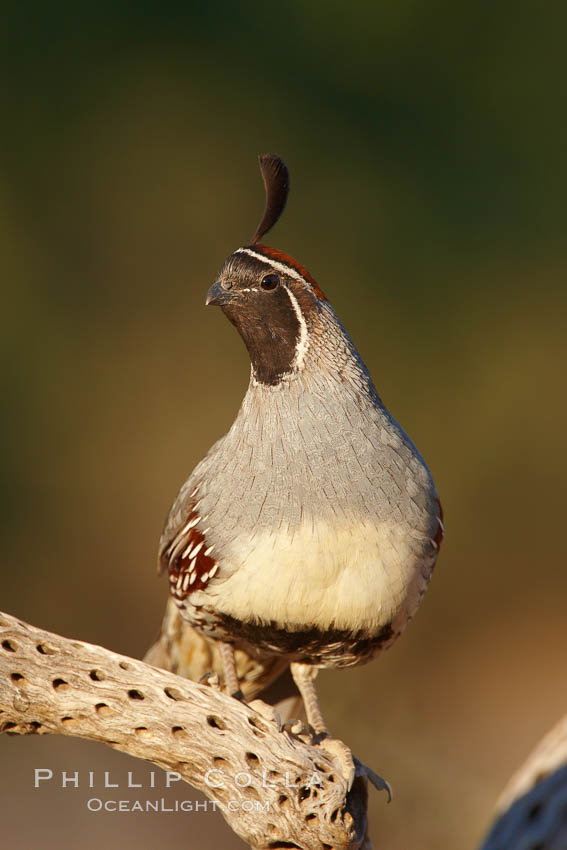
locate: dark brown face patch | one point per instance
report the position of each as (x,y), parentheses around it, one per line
(262,310)
(270,329)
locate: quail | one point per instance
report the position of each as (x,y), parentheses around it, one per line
(311,529)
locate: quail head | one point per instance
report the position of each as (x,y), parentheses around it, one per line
(310,530)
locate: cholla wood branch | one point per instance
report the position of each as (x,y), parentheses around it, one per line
(532,810)
(52,685)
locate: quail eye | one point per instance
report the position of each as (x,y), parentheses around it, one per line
(271,281)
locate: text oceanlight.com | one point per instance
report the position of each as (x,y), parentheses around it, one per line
(95,804)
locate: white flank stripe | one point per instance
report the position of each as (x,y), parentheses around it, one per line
(213,571)
(192,564)
(186,528)
(186,581)
(208,551)
(193,577)
(197,549)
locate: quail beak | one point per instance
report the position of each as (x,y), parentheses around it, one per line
(218,295)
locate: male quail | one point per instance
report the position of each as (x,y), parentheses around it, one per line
(310,530)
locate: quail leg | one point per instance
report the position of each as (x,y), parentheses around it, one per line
(304,677)
(231,684)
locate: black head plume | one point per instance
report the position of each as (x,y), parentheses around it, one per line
(276,183)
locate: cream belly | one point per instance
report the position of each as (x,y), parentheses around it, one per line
(359,577)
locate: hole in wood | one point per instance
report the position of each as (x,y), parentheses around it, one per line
(17,677)
(534,811)
(69,721)
(178,731)
(173,693)
(103,709)
(45,649)
(97,675)
(281,845)
(257,727)
(124,665)
(303,794)
(215,722)
(334,815)
(283,801)
(142,732)
(310,816)
(60,684)
(8,645)
(218,760)
(252,759)
(134,694)
(7,726)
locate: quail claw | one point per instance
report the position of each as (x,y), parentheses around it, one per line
(210,678)
(379,783)
(295,728)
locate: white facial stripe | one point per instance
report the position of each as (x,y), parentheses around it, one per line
(303,341)
(277,265)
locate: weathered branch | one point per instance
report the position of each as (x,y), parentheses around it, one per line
(273,788)
(532,809)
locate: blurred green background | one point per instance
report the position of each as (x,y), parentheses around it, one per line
(426,144)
